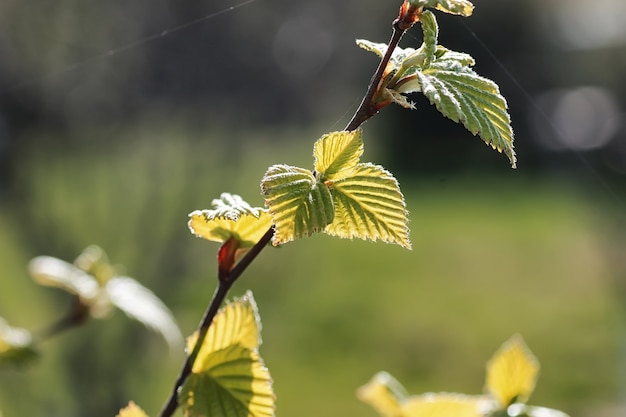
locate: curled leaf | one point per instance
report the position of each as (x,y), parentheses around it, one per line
(230,217)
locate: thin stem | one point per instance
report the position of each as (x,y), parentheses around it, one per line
(367,108)
(78,314)
(219,296)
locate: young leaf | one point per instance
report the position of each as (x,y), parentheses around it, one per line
(228,378)
(53,272)
(460,7)
(343,197)
(443,405)
(369,205)
(463,96)
(230,217)
(298,203)
(512,373)
(336,152)
(384,393)
(132,410)
(105,290)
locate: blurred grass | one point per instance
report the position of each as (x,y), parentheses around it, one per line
(491,257)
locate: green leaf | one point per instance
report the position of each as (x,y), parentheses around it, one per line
(369,205)
(229,378)
(342,197)
(230,217)
(298,203)
(132,410)
(512,373)
(460,7)
(463,96)
(337,152)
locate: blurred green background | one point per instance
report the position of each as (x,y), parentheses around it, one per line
(110,134)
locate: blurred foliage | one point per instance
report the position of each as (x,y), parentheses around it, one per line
(490,257)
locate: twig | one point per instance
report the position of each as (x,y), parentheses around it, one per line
(219,296)
(407,17)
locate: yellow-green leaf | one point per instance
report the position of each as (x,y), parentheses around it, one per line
(132,410)
(384,393)
(336,152)
(443,405)
(237,323)
(229,378)
(512,373)
(463,96)
(235,383)
(460,7)
(298,203)
(230,217)
(369,205)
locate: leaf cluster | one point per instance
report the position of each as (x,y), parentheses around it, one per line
(511,377)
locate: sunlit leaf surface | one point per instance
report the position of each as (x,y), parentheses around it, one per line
(230,217)
(341,197)
(229,378)
(443,405)
(369,205)
(132,410)
(447,79)
(384,393)
(298,203)
(512,373)
(460,7)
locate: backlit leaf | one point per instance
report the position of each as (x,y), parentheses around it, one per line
(337,151)
(235,383)
(342,197)
(443,405)
(460,7)
(229,378)
(299,204)
(101,295)
(53,272)
(237,323)
(463,96)
(512,373)
(230,217)
(369,205)
(384,393)
(132,410)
